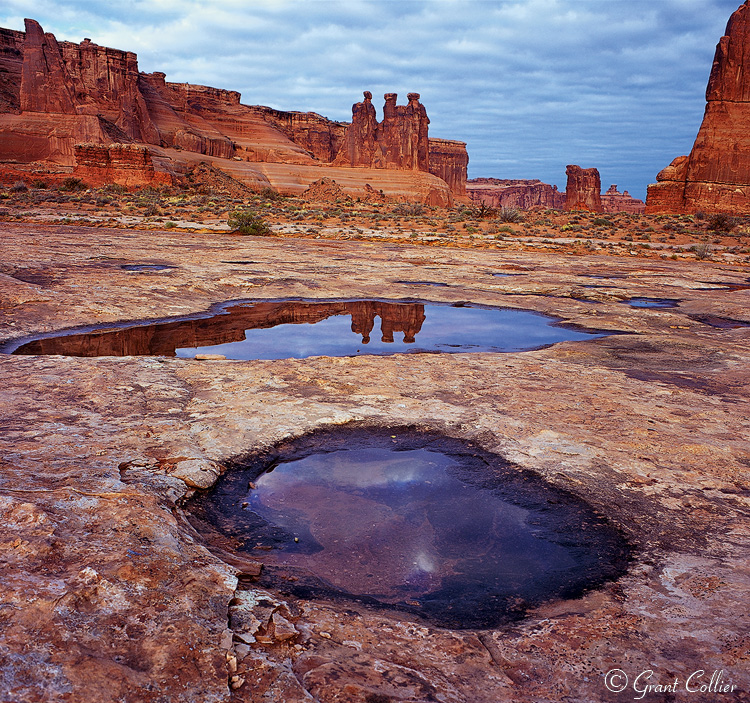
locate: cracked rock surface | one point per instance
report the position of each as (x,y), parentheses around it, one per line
(109,594)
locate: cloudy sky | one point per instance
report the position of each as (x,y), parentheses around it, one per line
(530,85)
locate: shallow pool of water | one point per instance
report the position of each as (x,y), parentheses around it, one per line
(416,523)
(298,329)
(653,302)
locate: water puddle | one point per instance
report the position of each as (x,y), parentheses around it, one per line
(722,323)
(146,267)
(653,302)
(414,522)
(606,277)
(299,329)
(725,285)
(424,283)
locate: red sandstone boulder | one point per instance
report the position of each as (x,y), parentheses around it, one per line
(715,177)
(584,189)
(324,190)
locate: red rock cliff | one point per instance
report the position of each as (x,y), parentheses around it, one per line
(517,193)
(584,189)
(449,160)
(126,164)
(715,177)
(56,95)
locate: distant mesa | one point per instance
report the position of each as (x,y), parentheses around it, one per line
(583,192)
(715,176)
(89,108)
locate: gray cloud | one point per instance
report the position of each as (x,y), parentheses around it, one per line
(530,85)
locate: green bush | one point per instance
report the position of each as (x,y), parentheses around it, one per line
(248,222)
(72,184)
(510,214)
(721,223)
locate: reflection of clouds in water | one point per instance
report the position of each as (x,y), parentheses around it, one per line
(354,468)
(425,562)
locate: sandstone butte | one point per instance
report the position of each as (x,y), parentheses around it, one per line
(89,107)
(715,176)
(525,194)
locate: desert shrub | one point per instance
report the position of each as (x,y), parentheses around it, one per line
(248,222)
(270,194)
(408,209)
(483,212)
(721,223)
(170,225)
(19,187)
(151,210)
(602,222)
(72,185)
(115,189)
(702,250)
(510,214)
(38,184)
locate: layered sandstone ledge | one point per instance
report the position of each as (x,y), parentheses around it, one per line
(56,95)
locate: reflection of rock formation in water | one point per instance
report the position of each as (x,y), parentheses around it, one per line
(394,317)
(165,338)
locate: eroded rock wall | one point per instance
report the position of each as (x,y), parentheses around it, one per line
(715,176)
(449,160)
(614,201)
(126,164)
(516,193)
(54,95)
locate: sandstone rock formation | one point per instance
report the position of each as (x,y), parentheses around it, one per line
(325,190)
(399,141)
(523,194)
(614,201)
(584,189)
(55,95)
(449,161)
(715,177)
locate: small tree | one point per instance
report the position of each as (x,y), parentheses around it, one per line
(248,222)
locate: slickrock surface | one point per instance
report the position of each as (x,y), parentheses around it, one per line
(715,177)
(109,594)
(583,190)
